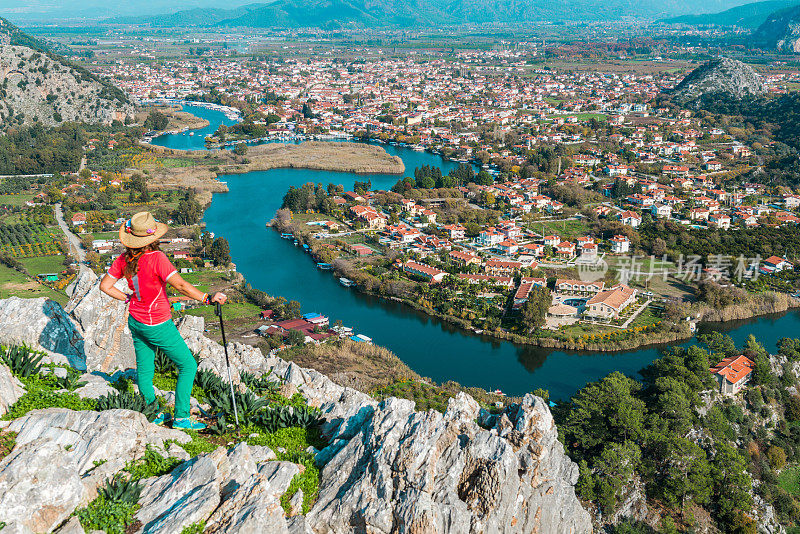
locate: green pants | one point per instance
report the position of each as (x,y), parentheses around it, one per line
(164,336)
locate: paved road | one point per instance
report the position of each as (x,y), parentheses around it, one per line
(75,247)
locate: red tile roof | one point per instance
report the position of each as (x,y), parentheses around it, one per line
(733,368)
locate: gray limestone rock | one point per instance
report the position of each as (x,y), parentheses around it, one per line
(104,323)
(113,437)
(11,389)
(255,506)
(44,325)
(39,485)
(73,526)
(186,495)
(407,471)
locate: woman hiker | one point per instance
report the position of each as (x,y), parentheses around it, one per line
(147,271)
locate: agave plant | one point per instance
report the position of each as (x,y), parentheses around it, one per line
(247,405)
(163,364)
(261,385)
(121,489)
(127,400)
(209,382)
(23,361)
(306,417)
(70,382)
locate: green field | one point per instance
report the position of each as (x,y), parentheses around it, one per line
(43,264)
(16,200)
(231,311)
(205,280)
(15,284)
(789,479)
(568,230)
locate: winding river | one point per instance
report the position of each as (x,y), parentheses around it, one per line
(430,347)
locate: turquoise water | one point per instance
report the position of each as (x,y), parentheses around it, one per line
(430,347)
(186,141)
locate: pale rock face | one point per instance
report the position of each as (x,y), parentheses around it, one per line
(255,505)
(387,468)
(186,495)
(40,485)
(73,526)
(11,389)
(233,490)
(43,325)
(104,323)
(408,471)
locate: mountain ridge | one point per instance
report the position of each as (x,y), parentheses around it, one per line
(781,31)
(376,13)
(39,85)
(745,16)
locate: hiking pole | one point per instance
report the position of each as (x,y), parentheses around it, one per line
(218,312)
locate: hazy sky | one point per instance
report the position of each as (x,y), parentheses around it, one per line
(28,9)
(22,11)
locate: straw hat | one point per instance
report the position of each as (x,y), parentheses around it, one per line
(141,230)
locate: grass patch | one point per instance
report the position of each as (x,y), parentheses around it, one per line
(152,464)
(199,444)
(16,200)
(232,312)
(789,479)
(425,396)
(16,284)
(41,393)
(7,442)
(194,528)
(110,517)
(43,264)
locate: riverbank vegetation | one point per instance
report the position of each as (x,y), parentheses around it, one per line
(672,442)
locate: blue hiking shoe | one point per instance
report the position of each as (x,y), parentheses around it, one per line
(187,423)
(162,418)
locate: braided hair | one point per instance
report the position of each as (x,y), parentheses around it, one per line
(132,256)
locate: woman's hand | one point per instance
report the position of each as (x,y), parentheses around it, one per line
(219,298)
(107,287)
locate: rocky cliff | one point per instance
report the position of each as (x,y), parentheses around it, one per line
(36,84)
(721,76)
(781,31)
(386,467)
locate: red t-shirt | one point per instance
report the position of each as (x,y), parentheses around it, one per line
(149,304)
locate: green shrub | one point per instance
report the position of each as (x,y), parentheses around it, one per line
(23,361)
(110,517)
(128,401)
(71,382)
(41,399)
(113,510)
(194,528)
(152,464)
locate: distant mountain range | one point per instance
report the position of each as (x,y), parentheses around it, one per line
(404,13)
(40,85)
(781,31)
(745,16)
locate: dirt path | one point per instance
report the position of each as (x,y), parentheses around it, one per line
(75,247)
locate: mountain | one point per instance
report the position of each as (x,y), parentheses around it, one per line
(190,17)
(718,77)
(746,16)
(39,85)
(387,466)
(403,13)
(780,31)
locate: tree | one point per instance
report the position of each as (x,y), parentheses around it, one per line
(534,311)
(220,252)
(295,337)
(156,121)
(240,149)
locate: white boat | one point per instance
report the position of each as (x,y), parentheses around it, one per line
(346,282)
